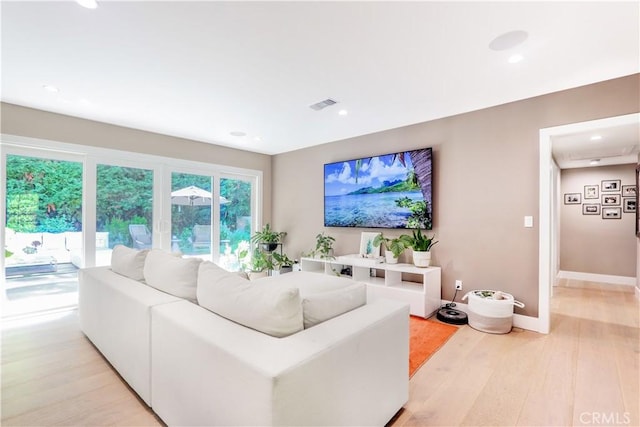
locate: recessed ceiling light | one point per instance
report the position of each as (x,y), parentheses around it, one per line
(343,112)
(514,59)
(89,4)
(50,88)
(594,162)
(508,40)
(237,133)
(596,137)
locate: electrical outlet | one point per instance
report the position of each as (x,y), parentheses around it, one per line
(458,285)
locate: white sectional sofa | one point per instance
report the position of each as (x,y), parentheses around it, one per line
(298,349)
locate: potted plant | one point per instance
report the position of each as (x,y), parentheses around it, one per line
(268,238)
(261,264)
(324,247)
(421,245)
(282,263)
(393,247)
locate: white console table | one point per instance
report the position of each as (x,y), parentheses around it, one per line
(423,297)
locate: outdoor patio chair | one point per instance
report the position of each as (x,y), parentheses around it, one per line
(201,236)
(140,235)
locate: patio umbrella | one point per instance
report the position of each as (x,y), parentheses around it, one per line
(193,196)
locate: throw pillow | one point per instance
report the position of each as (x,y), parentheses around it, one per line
(326,305)
(128,262)
(171,274)
(273,310)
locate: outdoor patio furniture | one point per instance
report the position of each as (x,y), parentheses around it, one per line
(141,236)
(201,236)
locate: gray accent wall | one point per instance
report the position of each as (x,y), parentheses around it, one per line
(589,243)
(486,173)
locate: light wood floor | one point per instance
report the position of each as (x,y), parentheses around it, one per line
(585,372)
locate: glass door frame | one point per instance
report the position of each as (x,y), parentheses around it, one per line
(91,156)
(216,175)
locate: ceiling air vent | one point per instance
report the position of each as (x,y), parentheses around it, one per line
(323,104)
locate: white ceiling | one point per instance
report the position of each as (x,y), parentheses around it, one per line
(202,70)
(611,145)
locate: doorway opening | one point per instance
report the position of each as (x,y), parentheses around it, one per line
(550,200)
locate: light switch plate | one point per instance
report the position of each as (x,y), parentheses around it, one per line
(528,221)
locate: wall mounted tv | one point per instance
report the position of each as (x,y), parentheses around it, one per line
(389,191)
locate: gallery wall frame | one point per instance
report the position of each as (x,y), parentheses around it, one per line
(629,191)
(591,209)
(610,185)
(611,200)
(611,213)
(591,192)
(629,205)
(572,198)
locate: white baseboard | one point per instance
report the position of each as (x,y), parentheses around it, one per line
(601,278)
(519,320)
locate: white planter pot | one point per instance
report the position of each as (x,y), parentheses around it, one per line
(421,258)
(389,258)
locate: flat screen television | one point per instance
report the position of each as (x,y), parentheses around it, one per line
(389,191)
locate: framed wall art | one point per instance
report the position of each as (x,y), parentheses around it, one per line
(367,249)
(629,205)
(591,192)
(629,191)
(610,200)
(591,209)
(610,185)
(611,213)
(572,198)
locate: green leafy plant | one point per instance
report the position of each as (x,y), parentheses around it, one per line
(281,261)
(395,245)
(324,246)
(268,237)
(418,241)
(261,261)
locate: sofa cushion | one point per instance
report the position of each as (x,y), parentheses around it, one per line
(128,262)
(322,306)
(171,274)
(274,310)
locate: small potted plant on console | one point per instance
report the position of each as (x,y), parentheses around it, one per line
(394,247)
(421,245)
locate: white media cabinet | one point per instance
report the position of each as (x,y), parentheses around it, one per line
(423,298)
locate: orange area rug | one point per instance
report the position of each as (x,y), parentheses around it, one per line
(425,338)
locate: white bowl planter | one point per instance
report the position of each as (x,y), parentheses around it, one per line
(389,258)
(421,258)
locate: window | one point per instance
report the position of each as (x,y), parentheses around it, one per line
(86,200)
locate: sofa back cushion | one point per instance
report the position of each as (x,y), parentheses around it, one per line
(321,306)
(171,274)
(128,262)
(271,309)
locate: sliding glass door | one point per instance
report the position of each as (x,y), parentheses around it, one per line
(124,209)
(236,218)
(65,207)
(43,233)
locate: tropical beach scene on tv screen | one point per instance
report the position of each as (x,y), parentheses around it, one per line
(389,191)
